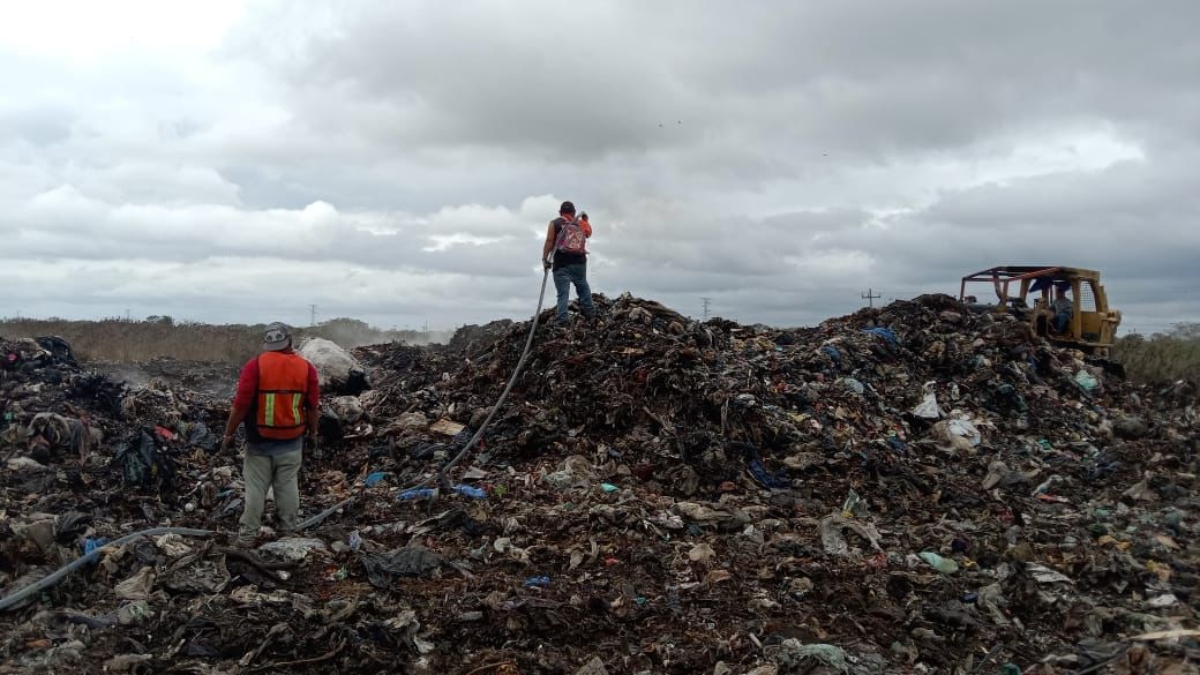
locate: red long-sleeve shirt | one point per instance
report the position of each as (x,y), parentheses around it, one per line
(248,386)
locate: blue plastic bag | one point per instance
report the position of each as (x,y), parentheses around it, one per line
(90,545)
(777,481)
(833,353)
(375,478)
(470,491)
(884,334)
(417,493)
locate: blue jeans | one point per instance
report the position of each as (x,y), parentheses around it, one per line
(563,278)
(1061,321)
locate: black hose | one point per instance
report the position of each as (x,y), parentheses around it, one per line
(441,474)
(511,381)
(62,573)
(325,514)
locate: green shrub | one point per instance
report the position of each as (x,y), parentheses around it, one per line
(1172,356)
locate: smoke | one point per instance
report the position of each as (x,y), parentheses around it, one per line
(133,376)
(351,333)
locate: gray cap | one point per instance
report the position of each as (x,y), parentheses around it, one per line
(277,337)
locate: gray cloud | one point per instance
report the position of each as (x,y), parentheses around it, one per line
(864,77)
(38,127)
(399,161)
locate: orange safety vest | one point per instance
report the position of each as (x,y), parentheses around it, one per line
(282,387)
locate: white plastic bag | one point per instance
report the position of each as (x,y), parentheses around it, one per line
(332,362)
(928,408)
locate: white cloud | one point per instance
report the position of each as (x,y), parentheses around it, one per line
(399,161)
(80,32)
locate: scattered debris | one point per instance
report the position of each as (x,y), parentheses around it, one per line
(916,488)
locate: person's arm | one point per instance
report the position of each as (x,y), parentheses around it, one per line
(313,401)
(241,401)
(548,246)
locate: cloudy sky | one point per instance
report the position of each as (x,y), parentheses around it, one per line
(397,160)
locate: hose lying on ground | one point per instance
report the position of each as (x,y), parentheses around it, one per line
(441,474)
(326,513)
(62,573)
(511,381)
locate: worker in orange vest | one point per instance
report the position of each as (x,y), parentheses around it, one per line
(277,399)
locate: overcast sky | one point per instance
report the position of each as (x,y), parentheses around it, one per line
(397,160)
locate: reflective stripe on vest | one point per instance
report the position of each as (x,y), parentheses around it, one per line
(271,416)
(269,411)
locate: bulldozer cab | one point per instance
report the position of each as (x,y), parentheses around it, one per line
(1066,305)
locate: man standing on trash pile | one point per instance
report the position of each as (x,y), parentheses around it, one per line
(277,398)
(565,251)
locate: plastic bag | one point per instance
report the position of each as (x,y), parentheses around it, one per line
(928,408)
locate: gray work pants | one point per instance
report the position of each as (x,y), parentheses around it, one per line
(261,473)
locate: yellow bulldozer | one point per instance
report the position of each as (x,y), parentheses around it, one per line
(1066,305)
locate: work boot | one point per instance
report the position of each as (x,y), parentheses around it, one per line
(245,543)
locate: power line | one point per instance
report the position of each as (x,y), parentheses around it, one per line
(870,296)
(705,301)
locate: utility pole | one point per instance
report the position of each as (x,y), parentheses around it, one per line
(128,316)
(312,309)
(425,327)
(705,300)
(870,296)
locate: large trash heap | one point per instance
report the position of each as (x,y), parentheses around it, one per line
(913,489)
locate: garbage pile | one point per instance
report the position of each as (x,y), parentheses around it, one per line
(907,489)
(472,338)
(58,403)
(71,436)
